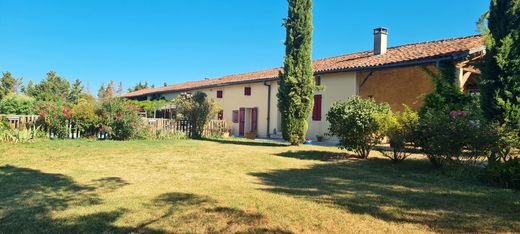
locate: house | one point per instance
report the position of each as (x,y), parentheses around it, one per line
(394,75)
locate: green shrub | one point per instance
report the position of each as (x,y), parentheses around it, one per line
(17,105)
(503,167)
(119,119)
(455,136)
(84,116)
(20,135)
(198,110)
(400,133)
(359,124)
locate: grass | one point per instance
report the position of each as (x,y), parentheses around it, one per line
(241,186)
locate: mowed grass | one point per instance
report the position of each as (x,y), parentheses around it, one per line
(236,186)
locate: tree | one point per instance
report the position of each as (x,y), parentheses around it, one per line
(138,86)
(75,91)
(500,86)
(198,110)
(53,88)
(106,93)
(296,81)
(8,84)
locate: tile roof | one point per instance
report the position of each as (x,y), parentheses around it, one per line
(395,56)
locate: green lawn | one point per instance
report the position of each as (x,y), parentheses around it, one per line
(236,186)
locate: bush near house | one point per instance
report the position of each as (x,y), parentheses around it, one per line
(359,124)
(198,110)
(54,117)
(400,133)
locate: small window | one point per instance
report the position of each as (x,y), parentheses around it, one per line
(219,93)
(235,116)
(247,91)
(316,111)
(220,115)
(317,80)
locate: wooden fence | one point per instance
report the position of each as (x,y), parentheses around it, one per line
(214,127)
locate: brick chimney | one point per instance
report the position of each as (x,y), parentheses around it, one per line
(380,40)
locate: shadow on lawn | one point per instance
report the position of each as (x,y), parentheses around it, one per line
(201,214)
(246,142)
(317,155)
(411,192)
(28,197)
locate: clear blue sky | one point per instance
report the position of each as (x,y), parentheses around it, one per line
(174,41)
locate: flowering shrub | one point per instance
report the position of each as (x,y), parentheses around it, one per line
(54,117)
(358,123)
(456,136)
(119,119)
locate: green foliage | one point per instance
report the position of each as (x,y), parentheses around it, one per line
(446,96)
(198,110)
(8,84)
(53,88)
(75,91)
(54,117)
(20,135)
(119,119)
(297,83)
(359,123)
(149,106)
(84,115)
(459,136)
(139,86)
(500,86)
(503,167)
(17,105)
(400,132)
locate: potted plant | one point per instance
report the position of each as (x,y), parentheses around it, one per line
(250,135)
(226,132)
(308,141)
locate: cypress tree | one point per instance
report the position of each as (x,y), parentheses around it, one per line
(296,81)
(500,86)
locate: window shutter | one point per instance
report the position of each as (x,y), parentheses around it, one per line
(317,80)
(247,91)
(316,111)
(254,119)
(242,121)
(219,93)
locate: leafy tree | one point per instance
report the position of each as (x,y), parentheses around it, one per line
(138,86)
(198,110)
(17,104)
(297,83)
(8,84)
(75,91)
(500,86)
(359,123)
(53,88)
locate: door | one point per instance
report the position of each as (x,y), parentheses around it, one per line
(242,121)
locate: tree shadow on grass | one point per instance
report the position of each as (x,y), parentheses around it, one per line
(410,192)
(186,212)
(317,155)
(246,142)
(29,197)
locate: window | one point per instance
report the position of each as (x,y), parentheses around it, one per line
(220,115)
(247,91)
(316,111)
(235,116)
(317,80)
(219,93)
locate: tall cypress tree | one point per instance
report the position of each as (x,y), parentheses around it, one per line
(296,81)
(500,86)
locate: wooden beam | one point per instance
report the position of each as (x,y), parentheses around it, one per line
(471,69)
